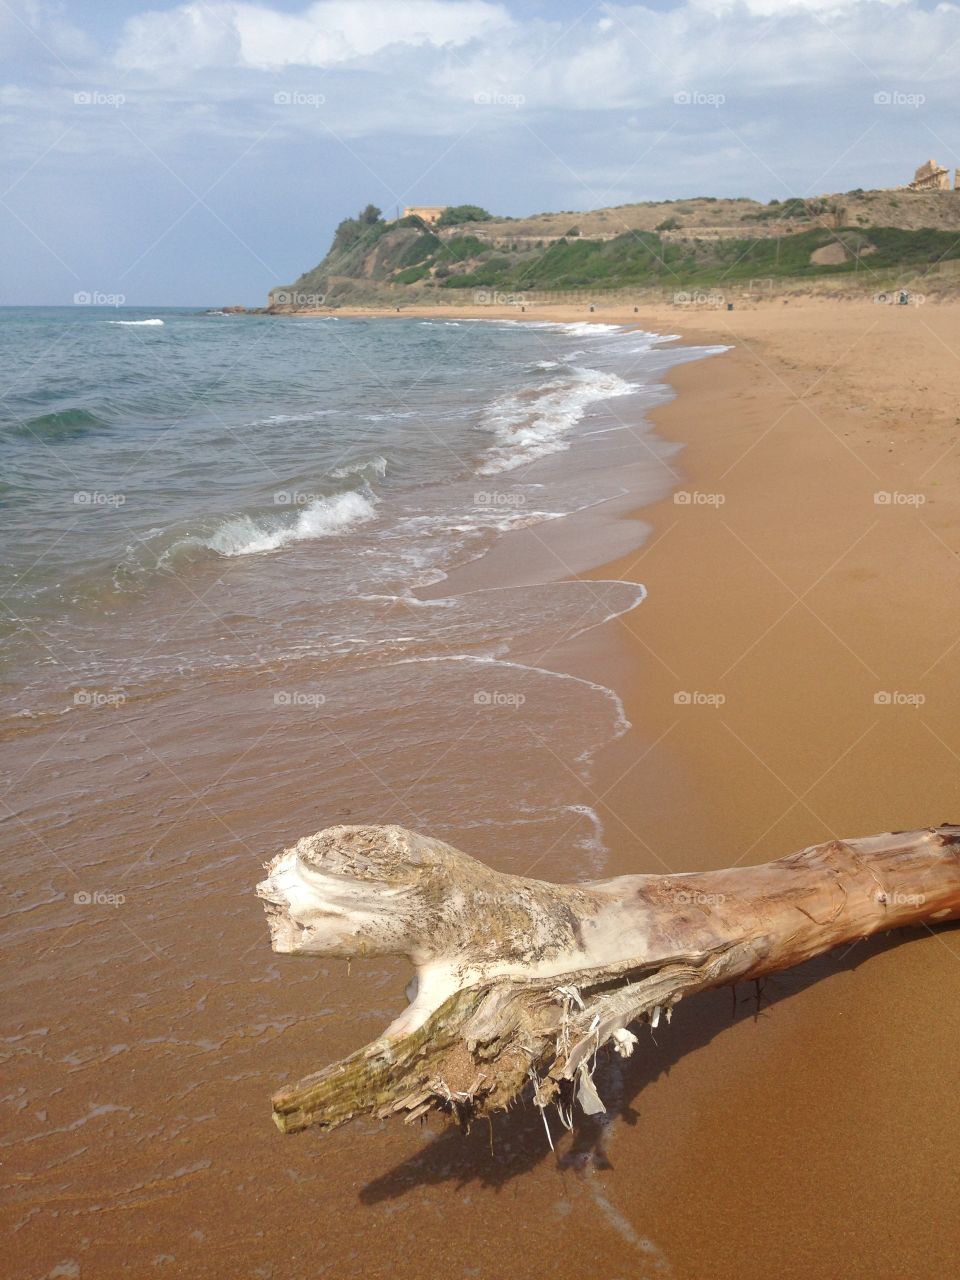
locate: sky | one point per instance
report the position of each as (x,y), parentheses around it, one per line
(202,153)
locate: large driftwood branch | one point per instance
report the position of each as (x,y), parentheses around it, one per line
(521,981)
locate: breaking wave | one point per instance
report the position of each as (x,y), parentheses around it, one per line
(529,427)
(322,518)
(372,468)
(589,328)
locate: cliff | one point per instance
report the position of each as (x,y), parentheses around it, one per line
(685,244)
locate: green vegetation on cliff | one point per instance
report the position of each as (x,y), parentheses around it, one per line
(646,259)
(455,215)
(704,242)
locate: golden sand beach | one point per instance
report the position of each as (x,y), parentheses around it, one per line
(817,594)
(790,677)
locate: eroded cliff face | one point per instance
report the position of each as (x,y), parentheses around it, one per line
(697,242)
(368,266)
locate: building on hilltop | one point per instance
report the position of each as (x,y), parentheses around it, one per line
(429,213)
(931,177)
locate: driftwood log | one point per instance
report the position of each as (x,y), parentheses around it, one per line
(519,982)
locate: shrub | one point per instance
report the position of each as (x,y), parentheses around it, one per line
(460,213)
(412,274)
(420,248)
(351,230)
(459,248)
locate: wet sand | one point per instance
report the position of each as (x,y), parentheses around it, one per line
(809,1137)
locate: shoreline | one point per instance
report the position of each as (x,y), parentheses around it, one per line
(810,605)
(803,583)
(848,1063)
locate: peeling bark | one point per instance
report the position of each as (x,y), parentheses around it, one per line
(521,981)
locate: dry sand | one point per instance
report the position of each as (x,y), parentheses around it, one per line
(809,1141)
(815,1140)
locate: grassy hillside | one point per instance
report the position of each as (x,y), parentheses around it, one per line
(675,244)
(640,258)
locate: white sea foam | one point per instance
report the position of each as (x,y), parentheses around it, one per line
(593,844)
(134,323)
(530,427)
(590,328)
(412,601)
(620,722)
(637,593)
(323,518)
(376,466)
(309,416)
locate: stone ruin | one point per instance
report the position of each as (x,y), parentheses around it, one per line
(428,213)
(932,177)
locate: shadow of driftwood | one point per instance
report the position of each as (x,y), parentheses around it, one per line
(512,1143)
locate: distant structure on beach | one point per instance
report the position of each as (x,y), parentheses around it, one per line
(933,177)
(429,213)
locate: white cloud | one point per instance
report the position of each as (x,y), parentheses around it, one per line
(423,67)
(779,8)
(331,32)
(343,101)
(33,30)
(748,50)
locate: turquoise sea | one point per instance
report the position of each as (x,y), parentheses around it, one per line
(275,515)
